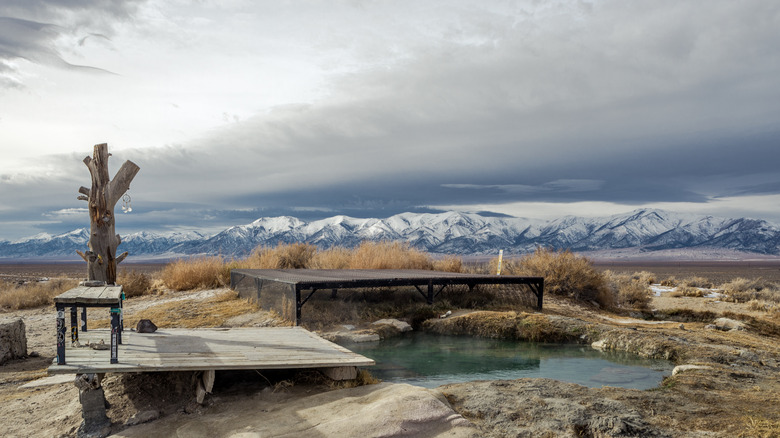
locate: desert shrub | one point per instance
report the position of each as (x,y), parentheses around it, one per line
(389,255)
(633,294)
(689,291)
(763,306)
(669,281)
(448,264)
(25,296)
(567,274)
(196,273)
(643,277)
(630,291)
(134,283)
(698,282)
(742,290)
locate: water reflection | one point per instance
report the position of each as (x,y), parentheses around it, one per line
(431,360)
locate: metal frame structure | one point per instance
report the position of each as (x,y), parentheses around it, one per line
(278,288)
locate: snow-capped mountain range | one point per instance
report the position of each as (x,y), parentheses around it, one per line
(643,231)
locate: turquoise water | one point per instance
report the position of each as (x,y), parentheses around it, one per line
(431,360)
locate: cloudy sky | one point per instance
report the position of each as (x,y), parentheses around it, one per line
(238,109)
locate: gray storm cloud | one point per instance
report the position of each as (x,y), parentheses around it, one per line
(33,31)
(460,103)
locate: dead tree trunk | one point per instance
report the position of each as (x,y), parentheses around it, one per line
(102,197)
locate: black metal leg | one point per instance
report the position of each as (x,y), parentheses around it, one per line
(298,305)
(60,335)
(74,328)
(115,334)
(121,316)
(84,319)
(540,295)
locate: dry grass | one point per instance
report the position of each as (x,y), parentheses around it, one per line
(688,291)
(293,256)
(742,290)
(389,255)
(643,277)
(760,428)
(196,273)
(368,255)
(565,274)
(134,283)
(764,306)
(210,312)
(631,291)
(633,295)
(26,296)
(448,264)
(336,257)
(698,281)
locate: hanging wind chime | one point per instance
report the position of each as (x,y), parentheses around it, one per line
(126,208)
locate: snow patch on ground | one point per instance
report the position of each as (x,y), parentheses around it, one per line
(658,289)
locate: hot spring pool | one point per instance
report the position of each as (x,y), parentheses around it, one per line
(428,360)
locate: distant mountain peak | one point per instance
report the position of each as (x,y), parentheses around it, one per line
(641,231)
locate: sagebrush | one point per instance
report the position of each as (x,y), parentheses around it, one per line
(565,274)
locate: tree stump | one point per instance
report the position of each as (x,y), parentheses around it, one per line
(13,339)
(101,199)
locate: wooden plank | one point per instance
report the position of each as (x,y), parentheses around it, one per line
(100,295)
(212,349)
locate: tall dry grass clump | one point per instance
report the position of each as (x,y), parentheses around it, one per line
(30,295)
(448,264)
(336,257)
(292,256)
(566,274)
(196,273)
(134,283)
(389,255)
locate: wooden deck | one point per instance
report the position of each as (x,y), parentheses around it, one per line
(209,349)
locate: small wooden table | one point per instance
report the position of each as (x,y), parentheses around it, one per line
(89,296)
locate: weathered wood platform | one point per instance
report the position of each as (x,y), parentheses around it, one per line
(100,296)
(210,349)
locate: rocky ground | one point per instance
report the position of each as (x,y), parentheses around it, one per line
(731,390)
